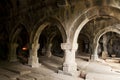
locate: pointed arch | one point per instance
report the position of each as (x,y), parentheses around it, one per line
(15,32)
(41,25)
(89,15)
(114,28)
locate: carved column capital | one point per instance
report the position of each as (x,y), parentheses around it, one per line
(66,46)
(35,46)
(69,46)
(75,46)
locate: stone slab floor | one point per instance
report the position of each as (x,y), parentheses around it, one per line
(49,67)
(47,71)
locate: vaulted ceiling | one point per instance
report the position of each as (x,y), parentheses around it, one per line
(66,10)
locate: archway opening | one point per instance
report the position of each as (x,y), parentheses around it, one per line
(91,28)
(111,46)
(50,40)
(50,51)
(56,48)
(22,49)
(83,46)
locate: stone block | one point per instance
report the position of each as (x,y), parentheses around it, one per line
(36,76)
(20,70)
(66,46)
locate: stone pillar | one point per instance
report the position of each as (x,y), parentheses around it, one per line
(94,56)
(33,59)
(104,52)
(69,65)
(12,52)
(48,52)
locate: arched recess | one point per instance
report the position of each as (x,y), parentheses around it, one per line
(89,15)
(35,36)
(114,28)
(18,44)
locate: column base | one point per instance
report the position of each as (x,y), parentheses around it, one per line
(94,58)
(76,73)
(69,70)
(104,55)
(49,54)
(33,62)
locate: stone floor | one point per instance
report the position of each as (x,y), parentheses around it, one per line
(101,70)
(108,69)
(47,71)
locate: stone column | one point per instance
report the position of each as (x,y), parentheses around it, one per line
(94,56)
(48,52)
(69,65)
(12,52)
(33,59)
(104,52)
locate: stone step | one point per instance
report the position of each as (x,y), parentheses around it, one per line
(36,76)
(2,77)
(50,78)
(9,74)
(25,77)
(20,70)
(42,71)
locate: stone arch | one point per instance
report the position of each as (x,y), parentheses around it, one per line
(37,31)
(34,38)
(87,16)
(16,31)
(13,44)
(114,28)
(105,30)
